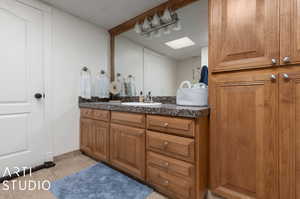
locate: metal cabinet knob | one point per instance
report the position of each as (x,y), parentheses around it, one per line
(286,60)
(274,61)
(166,182)
(166,143)
(166,164)
(285,76)
(273,77)
(166,124)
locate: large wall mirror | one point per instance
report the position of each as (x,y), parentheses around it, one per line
(160,59)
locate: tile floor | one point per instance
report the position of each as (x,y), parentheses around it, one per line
(64,167)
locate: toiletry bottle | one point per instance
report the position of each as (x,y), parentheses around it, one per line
(141,98)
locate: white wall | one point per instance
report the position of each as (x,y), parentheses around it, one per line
(129,60)
(185,70)
(159,74)
(204,56)
(76,43)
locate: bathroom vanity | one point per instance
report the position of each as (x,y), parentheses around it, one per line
(164,146)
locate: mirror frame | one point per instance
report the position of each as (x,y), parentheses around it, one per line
(171,4)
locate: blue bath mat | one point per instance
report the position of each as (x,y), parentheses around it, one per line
(99,182)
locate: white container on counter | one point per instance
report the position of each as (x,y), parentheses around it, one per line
(188,95)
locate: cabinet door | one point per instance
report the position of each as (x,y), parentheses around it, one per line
(127,149)
(244,151)
(289,120)
(243,34)
(100,136)
(86,134)
(290,31)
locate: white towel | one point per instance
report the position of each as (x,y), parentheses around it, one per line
(102,86)
(85,85)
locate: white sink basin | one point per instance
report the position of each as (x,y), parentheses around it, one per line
(141,104)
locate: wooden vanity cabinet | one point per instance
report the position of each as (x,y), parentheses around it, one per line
(168,153)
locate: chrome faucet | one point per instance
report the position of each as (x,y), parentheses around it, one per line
(148,98)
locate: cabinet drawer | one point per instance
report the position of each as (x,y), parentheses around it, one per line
(130,119)
(179,126)
(171,166)
(102,115)
(171,185)
(174,146)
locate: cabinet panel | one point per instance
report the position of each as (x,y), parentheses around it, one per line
(127,149)
(290,31)
(94,138)
(244,151)
(101,140)
(243,34)
(86,131)
(289,114)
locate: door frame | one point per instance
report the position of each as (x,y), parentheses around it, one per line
(47,62)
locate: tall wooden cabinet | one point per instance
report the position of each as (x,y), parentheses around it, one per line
(254,68)
(243,34)
(289,128)
(244,151)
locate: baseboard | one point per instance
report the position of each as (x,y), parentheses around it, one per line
(67,155)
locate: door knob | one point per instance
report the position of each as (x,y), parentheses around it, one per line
(38,95)
(286,60)
(273,77)
(285,76)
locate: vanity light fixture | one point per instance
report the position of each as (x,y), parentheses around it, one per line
(180,43)
(156,25)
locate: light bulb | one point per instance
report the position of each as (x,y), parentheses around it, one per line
(167,30)
(137,28)
(166,16)
(177,26)
(155,21)
(146,25)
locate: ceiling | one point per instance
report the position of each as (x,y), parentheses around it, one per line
(105,13)
(194,20)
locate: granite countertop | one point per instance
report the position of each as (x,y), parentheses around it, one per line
(163,109)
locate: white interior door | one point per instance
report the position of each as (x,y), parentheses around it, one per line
(22,137)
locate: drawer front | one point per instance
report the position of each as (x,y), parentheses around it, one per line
(102,115)
(171,166)
(129,119)
(86,113)
(173,186)
(174,146)
(172,125)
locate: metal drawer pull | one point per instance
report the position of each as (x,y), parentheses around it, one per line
(286,76)
(274,61)
(166,164)
(166,182)
(286,60)
(166,124)
(273,77)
